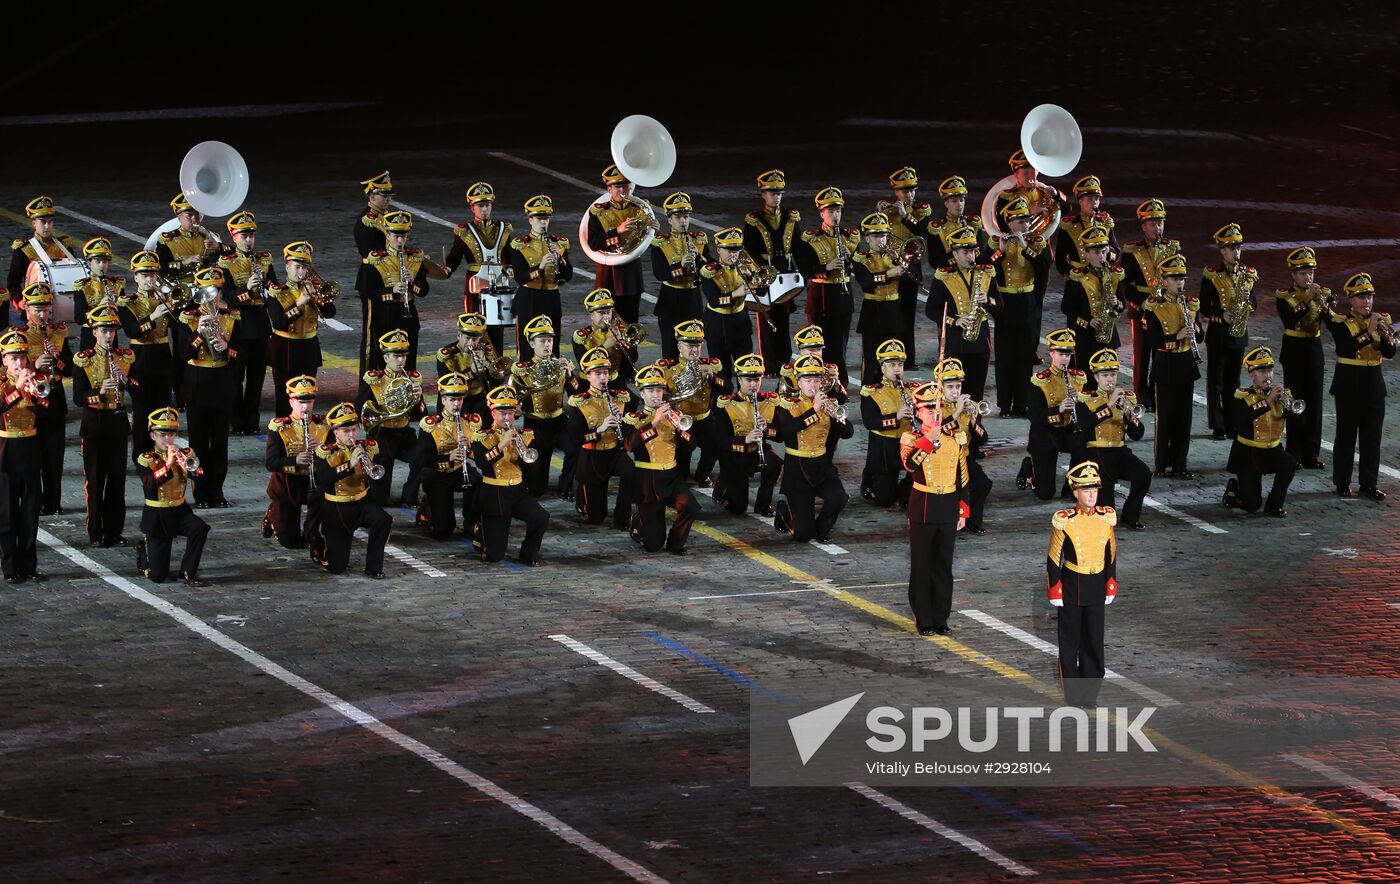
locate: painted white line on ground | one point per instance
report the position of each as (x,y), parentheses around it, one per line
(1041,644)
(829,548)
(1367,131)
(100,225)
(1375,793)
(409,560)
(1149,500)
(337,324)
(938,828)
(182,113)
(352,713)
(420,213)
(1323,244)
(737,595)
(626,671)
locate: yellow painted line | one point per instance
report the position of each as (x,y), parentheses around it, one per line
(331,360)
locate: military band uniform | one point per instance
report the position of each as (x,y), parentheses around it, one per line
(952,288)
(474,243)
(1081,576)
(830,293)
(1140,278)
(938,499)
(623,280)
(386,309)
(440,436)
(659,483)
(1086,297)
(210,390)
(1022,275)
(809,440)
(152,374)
(880,482)
(913,225)
(295,346)
(1174,375)
(22,254)
(53,436)
(623,360)
(1257,451)
(183,252)
(544,416)
(369,226)
(347,508)
(250,371)
(738,457)
(1301,311)
(1069,252)
(166,515)
(105,438)
(1106,431)
(538,288)
(480,375)
(396,437)
(103,290)
(19,481)
(699,407)
(1052,431)
(768,238)
(1358,388)
(289,484)
(938,232)
(679,299)
(728,330)
(1224,351)
(503,497)
(979,484)
(881,311)
(601,456)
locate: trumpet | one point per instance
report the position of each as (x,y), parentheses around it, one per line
(1290,404)
(525,454)
(836,411)
(374,471)
(188,462)
(680,419)
(1127,403)
(38,385)
(256,282)
(981,407)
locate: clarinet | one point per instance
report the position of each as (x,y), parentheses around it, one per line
(758,424)
(1074,410)
(404,279)
(615,414)
(306,440)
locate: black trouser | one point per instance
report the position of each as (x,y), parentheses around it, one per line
(1172,437)
(734,473)
(1015,345)
(208,417)
(530,303)
(656,490)
(880,481)
(700,436)
(1080,633)
(728,336)
(1045,446)
(1301,359)
(250,371)
(625,283)
(674,306)
(1224,361)
(1085,346)
(394,445)
(594,470)
(289,358)
(775,340)
(550,435)
(980,488)
(975,367)
(287,493)
(908,315)
(798,508)
(1364,418)
(439,490)
(1117,464)
(931,571)
(500,504)
(178,522)
(829,308)
(880,321)
(1142,359)
(153,378)
(1250,478)
(19,531)
(104,440)
(338,524)
(52,440)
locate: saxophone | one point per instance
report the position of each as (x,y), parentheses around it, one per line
(1108,308)
(1238,308)
(977,313)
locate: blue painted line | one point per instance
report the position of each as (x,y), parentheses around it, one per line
(1050,829)
(512,566)
(736,677)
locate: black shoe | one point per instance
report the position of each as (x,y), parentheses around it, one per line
(60,511)
(1023,478)
(1373,493)
(143,565)
(14,578)
(266,527)
(1161,474)
(970,528)
(824,539)
(1137,526)
(201,504)
(37,576)
(634,530)
(763,510)
(1231,496)
(943,630)
(927,630)
(222,504)
(45,511)
(1219,436)
(117,541)
(374,575)
(1345,491)
(779,523)
(532,563)
(1314,464)
(704,482)
(99,543)
(566,495)
(1277,512)
(678,552)
(1183,474)
(1005,412)
(191,580)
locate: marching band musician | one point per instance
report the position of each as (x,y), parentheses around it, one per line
(474,358)
(1171,330)
(369,227)
(1107,419)
(1257,414)
(390,283)
(880,273)
(768,238)
(690,340)
(544,382)
(294,310)
(676,259)
(727,284)
(204,343)
(343,464)
(501,452)
(811,423)
(1081,578)
(961,298)
(1053,431)
(248,280)
(1227,299)
(445,459)
(393,436)
(147,320)
(1364,339)
(49,353)
(809,342)
(484,244)
(1041,198)
(540,263)
(953,192)
(101,378)
(290,454)
(961,411)
(1022,264)
(189,247)
(908,221)
(1091,302)
(1140,259)
(596,431)
(98,288)
(887,411)
(40,212)
(610,224)
(1069,251)
(936,458)
(655,435)
(165,470)
(20,405)
(602,331)
(744,423)
(823,255)
(1300,308)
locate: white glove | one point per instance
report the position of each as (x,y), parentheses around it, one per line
(1059,603)
(1109,599)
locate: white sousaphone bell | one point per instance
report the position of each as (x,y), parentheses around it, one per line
(646,154)
(214,178)
(1052,143)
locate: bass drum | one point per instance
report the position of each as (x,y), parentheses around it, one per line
(64,277)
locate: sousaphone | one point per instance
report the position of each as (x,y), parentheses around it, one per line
(1053,144)
(645,154)
(214,178)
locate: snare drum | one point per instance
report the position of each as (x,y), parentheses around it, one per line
(786,287)
(499,306)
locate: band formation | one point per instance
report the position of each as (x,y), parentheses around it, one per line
(204,321)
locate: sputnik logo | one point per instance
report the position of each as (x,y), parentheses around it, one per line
(811,729)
